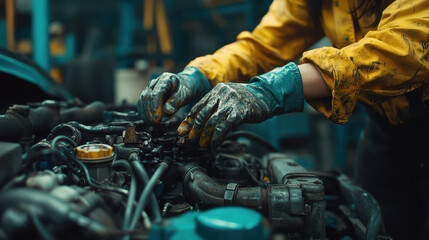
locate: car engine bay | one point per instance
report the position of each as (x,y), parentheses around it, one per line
(75,171)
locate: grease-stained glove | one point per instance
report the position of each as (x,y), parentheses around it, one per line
(230,104)
(169,92)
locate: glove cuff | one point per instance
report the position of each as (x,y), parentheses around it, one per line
(200,83)
(283,85)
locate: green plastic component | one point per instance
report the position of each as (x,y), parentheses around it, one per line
(230,223)
(226,223)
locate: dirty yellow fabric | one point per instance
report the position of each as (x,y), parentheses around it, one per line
(378,65)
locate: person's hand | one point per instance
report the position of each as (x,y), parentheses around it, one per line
(224,107)
(169,92)
(230,104)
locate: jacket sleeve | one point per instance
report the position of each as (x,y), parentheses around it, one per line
(386,63)
(282,35)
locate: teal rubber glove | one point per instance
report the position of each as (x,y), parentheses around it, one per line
(169,92)
(230,104)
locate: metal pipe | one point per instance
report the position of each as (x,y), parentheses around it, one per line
(252,197)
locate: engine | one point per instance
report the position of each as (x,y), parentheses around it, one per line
(71,171)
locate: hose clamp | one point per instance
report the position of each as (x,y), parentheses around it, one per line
(230,191)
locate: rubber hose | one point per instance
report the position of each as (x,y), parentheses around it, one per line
(131,193)
(207,192)
(144,179)
(146,192)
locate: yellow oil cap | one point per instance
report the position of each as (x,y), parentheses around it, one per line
(94,151)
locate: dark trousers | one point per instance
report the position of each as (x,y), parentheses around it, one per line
(393,165)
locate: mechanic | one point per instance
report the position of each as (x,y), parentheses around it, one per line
(379,58)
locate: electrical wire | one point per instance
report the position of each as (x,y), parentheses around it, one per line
(35,155)
(43,232)
(144,179)
(97,185)
(99,229)
(251,174)
(146,192)
(67,154)
(63,138)
(131,193)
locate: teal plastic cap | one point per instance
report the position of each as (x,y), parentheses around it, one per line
(230,223)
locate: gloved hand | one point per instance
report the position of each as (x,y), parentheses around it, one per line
(230,104)
(169,92)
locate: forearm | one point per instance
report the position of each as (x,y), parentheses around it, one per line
(313,84)
(276,40)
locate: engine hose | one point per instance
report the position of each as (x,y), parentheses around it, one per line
(367,207)
(63,138)
(118,164)
(22,121)
(144,179)
(97,130)
(146,192)
(11,128)
(207,192)
(52,208)
(67,130)
(91,113)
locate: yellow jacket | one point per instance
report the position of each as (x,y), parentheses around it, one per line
(384,66)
